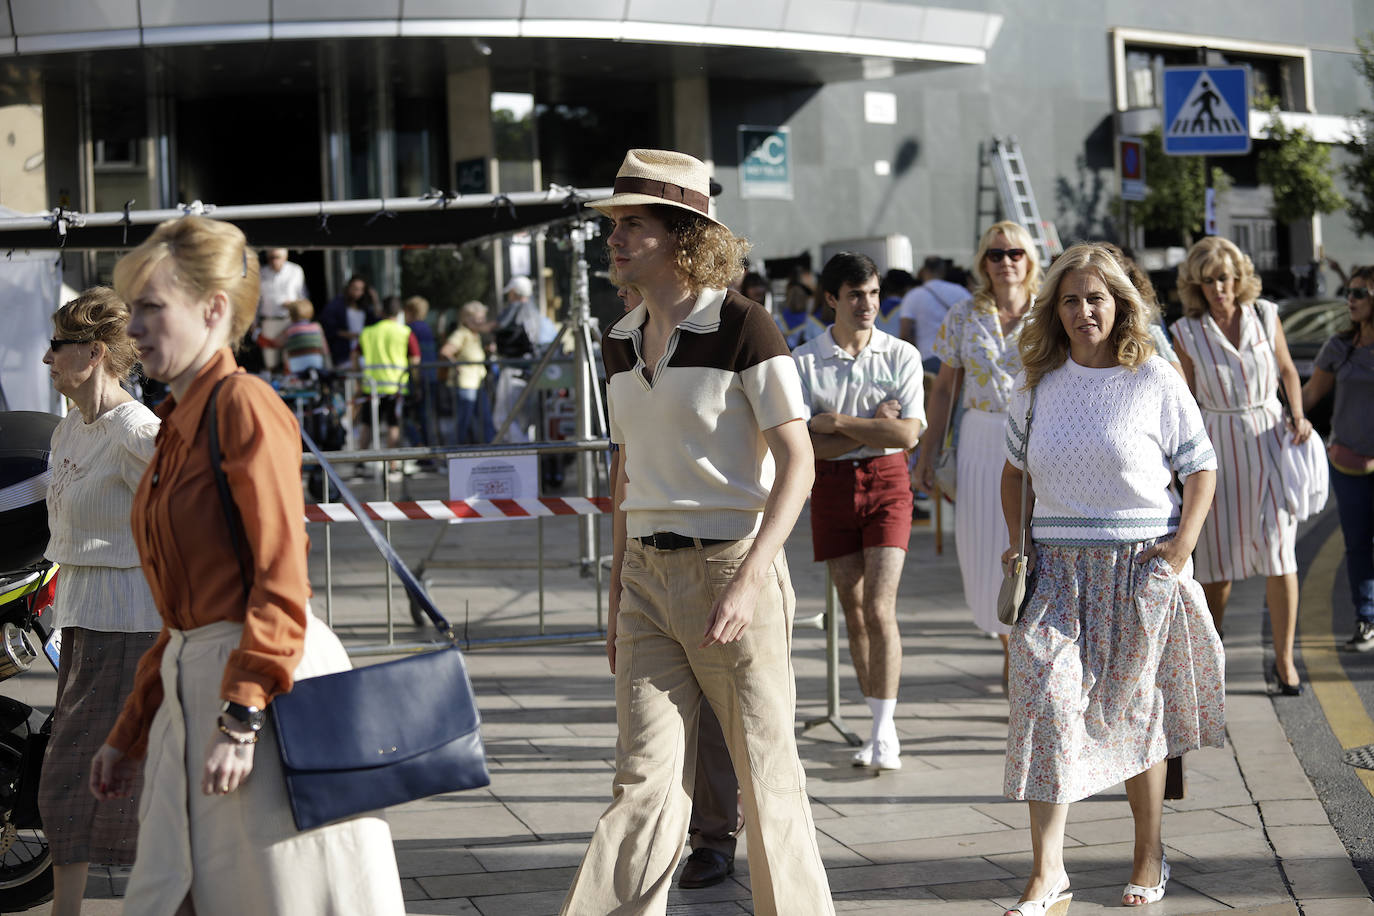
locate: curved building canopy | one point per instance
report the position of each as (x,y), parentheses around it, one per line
(816,40)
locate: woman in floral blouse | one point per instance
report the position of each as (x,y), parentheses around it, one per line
(977,347)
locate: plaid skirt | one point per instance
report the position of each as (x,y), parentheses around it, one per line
(94,676)
(1115,666)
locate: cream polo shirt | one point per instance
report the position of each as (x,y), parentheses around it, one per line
(696,460)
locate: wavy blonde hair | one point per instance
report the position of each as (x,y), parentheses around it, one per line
(1018,236)
(1044,342)
(1204,257)
(204,256)
(98,314)
(707,255)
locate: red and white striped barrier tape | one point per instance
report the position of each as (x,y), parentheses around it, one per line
(462,510)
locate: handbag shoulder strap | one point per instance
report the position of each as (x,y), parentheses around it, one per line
(954,405)
(412,585)
(1025,472)
(226,499)
(1278,382)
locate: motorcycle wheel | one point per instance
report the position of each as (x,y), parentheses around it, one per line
(25,862)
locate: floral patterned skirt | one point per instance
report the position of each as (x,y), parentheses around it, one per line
(1115,665)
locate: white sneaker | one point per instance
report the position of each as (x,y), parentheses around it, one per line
(863,757)
(887,755)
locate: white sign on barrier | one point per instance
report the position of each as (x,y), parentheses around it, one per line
(493,478)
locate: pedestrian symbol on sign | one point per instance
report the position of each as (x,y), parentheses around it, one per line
(1206,111)
(1211,114)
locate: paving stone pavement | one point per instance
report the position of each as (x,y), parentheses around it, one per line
(936,836)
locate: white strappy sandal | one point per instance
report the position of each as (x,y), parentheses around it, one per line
(1055,903)
(1148,894)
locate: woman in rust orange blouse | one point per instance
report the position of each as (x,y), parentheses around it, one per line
(215,829)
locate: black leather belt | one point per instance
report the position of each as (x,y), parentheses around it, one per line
(669,540)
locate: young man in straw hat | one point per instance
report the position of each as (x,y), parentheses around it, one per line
(716,463)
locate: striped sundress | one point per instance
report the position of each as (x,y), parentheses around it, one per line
(1249,530)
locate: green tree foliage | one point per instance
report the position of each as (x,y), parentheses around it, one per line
(1359,172)
(1299,171)
(445,277)
(1176,198)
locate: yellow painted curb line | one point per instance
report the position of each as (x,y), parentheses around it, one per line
(1340,703)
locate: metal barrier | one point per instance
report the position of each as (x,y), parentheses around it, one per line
(329,513)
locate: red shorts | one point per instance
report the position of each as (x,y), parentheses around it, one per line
(860,503)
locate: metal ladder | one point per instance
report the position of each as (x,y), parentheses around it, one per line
(1017,198)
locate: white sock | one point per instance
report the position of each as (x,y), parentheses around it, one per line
(883,725)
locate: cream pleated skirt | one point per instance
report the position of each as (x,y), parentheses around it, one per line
(980,531)
(241,853)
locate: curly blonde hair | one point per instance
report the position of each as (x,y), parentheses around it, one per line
(707,255)
(1044,342)
(1206,256)
(98,314)
(204,256)
(983,297)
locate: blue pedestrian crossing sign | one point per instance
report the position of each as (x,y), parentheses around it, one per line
(1206,111)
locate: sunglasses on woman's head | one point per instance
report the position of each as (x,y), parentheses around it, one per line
(1358,293)
(995,255)
(57,342)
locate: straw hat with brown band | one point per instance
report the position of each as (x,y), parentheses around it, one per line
(663,177)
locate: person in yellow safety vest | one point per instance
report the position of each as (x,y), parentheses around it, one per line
(387,350)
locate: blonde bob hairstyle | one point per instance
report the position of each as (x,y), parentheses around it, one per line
(983,297)
(98,315)
(204,257)
(1044,342)
(1208,255)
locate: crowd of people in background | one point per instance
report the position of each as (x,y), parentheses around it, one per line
(429,389)
(1142,467)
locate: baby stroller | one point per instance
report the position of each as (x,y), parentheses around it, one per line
(320,418)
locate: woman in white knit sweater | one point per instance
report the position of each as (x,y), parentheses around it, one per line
(103,607)
(1115,665)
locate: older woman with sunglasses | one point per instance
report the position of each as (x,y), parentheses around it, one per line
(104,609)
(977,347)
(1346,363)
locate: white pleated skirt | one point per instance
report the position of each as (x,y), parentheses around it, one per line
(241,853)
(980,529)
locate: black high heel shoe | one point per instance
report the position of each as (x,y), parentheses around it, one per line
(1285,688)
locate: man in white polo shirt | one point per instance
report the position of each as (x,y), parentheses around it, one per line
(280,281)
(864,390)
(715,464)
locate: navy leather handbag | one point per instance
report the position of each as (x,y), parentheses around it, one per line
(363,739)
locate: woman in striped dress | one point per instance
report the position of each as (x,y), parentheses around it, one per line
(1234,357)
(977,347)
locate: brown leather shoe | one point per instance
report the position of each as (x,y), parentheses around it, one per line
(706,868)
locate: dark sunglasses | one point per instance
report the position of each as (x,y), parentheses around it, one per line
(57,342)
(995,255)
(1358,293)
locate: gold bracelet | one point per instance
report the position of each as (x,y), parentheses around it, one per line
(237,739)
